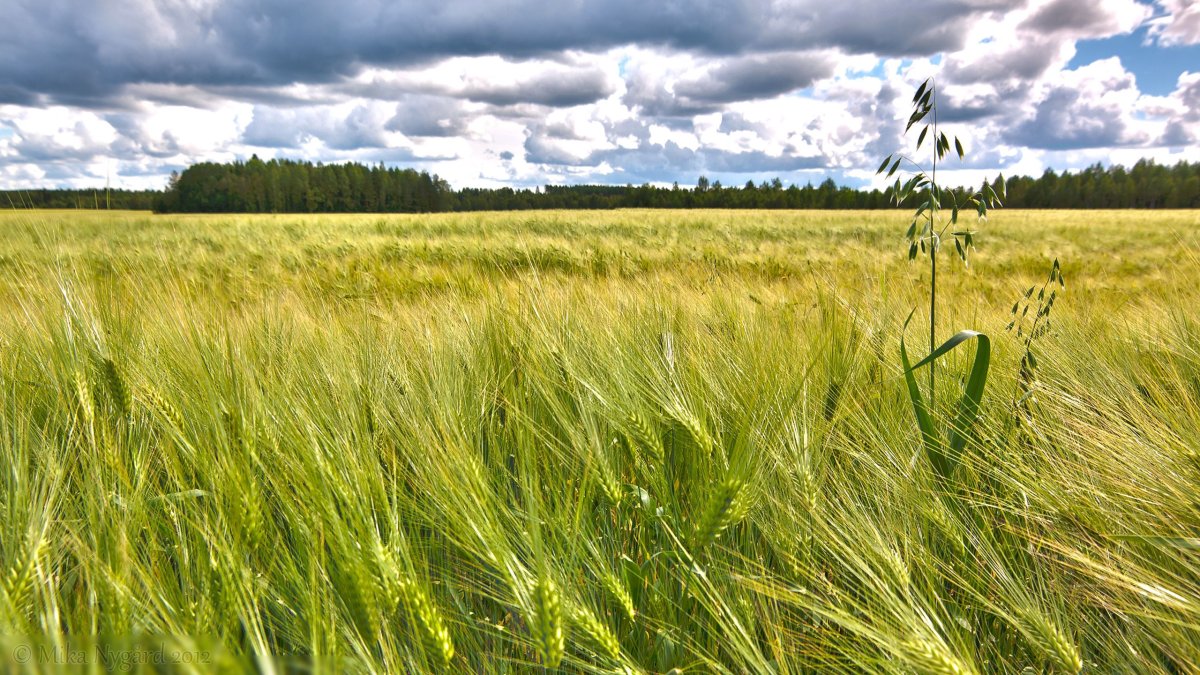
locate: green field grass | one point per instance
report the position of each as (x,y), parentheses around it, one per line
(602,442)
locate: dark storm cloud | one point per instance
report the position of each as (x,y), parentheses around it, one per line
(1000,100)
(1176,135)
(47,151)
(135,141)
(430,116)
(1076,16)
(879,27)
(754,77)
(732,122)
(266,95)
(729,80)
(1189,95)
(1065,120)
(654,161)
(563,131)
(1026,61)
(652,97)
(667,163)
(87,57)
(968,111)
(547,83)
(556,87)
(888,127)
(300,39)
(17,95)
(362,128)
(634,128)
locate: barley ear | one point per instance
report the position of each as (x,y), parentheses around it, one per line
(596,631)
(933,658)
(645,435)
(18,581)
(547,624)
(408,595)
(252,507)
(726,506)
(358,592)
(809,487)
(1050,641)
(83,391)
(427,616)
(616,588)
(118,390)
(610,484)
(695,429)
(162,407)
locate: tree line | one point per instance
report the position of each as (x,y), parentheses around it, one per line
(95,198)
(286,186)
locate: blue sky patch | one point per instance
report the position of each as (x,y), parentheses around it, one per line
(1156,68)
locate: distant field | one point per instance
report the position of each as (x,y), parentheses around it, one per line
(622,441)
(391,258)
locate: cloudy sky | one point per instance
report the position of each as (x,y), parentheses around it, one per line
(530,92)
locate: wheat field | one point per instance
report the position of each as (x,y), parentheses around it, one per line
(591,442)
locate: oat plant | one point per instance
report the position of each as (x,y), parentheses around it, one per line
(929,228)
(1029,329)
